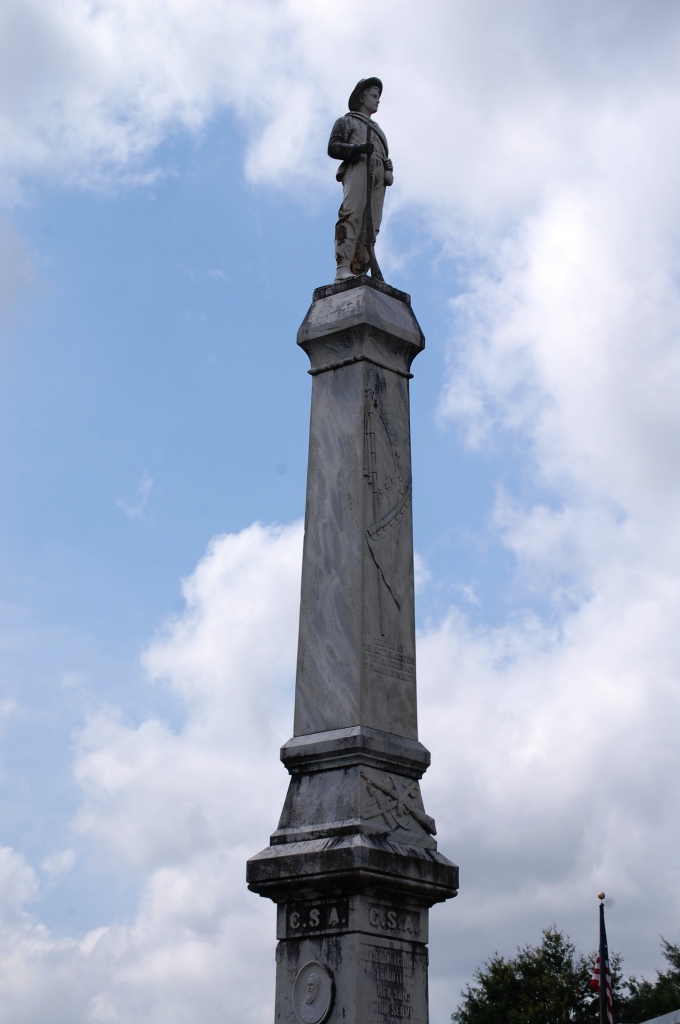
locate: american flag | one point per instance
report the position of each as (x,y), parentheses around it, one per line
(606,1014)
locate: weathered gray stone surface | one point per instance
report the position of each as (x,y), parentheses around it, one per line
(376,978)
(356,304)
(356,861)
(356,655)
(365,170)
(353,864)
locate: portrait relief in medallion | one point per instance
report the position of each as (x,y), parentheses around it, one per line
(313,992)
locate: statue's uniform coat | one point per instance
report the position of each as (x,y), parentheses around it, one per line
(348,132)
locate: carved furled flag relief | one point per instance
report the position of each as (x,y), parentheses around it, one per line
(390,486)
(399,805)
(353,865)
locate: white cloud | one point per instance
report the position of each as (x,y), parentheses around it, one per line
(567,345)
(187,808)
(135,509)
(88,88)
(72,680)
(555,764)
(421,572)
(18,885)
(7,707)
(59,862)
(181,809)
(555,769)
(504,98)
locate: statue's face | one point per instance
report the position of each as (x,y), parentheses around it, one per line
(370,100)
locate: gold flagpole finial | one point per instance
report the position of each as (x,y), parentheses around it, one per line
(600,895)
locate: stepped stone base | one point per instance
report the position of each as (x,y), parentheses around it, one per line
(352,924)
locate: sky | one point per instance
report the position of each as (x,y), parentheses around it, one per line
(167,209)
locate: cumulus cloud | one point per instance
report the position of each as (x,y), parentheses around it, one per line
(504,98)
(59,862)
(89,89)
(555,764)
(186,808)
(554,772)
(180,810)
(136,508)
(566,345)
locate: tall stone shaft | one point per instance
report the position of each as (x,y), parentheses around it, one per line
(353,864)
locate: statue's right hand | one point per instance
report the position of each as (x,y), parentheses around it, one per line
(367,147)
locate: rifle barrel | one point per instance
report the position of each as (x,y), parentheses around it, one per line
(370,236)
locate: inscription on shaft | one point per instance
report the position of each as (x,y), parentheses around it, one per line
(397,984)
(389,659)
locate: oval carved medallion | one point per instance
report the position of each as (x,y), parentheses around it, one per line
(313,992)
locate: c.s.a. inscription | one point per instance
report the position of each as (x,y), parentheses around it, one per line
(306,918)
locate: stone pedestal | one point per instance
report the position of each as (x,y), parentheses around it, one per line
(353,864)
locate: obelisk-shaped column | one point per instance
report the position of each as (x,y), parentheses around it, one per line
(353,864)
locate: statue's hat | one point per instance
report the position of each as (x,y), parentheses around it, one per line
(354,102)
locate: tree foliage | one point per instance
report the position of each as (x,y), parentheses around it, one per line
(544,984)
(550,984)
(648,999)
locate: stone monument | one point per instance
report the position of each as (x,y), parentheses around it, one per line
(353,865)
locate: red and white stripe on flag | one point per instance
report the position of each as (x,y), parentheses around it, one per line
(595,982)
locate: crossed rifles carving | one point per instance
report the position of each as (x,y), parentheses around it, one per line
(396,807)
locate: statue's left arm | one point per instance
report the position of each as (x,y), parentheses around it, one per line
(339,146)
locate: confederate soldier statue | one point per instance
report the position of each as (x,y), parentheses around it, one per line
(356,139)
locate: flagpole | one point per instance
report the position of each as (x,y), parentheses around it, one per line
(603,963)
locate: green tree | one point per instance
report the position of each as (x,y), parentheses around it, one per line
(544,984)
(648,999)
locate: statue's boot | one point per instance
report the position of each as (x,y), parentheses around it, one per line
(343,273)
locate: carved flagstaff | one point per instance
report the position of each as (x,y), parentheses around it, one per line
(353,865)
